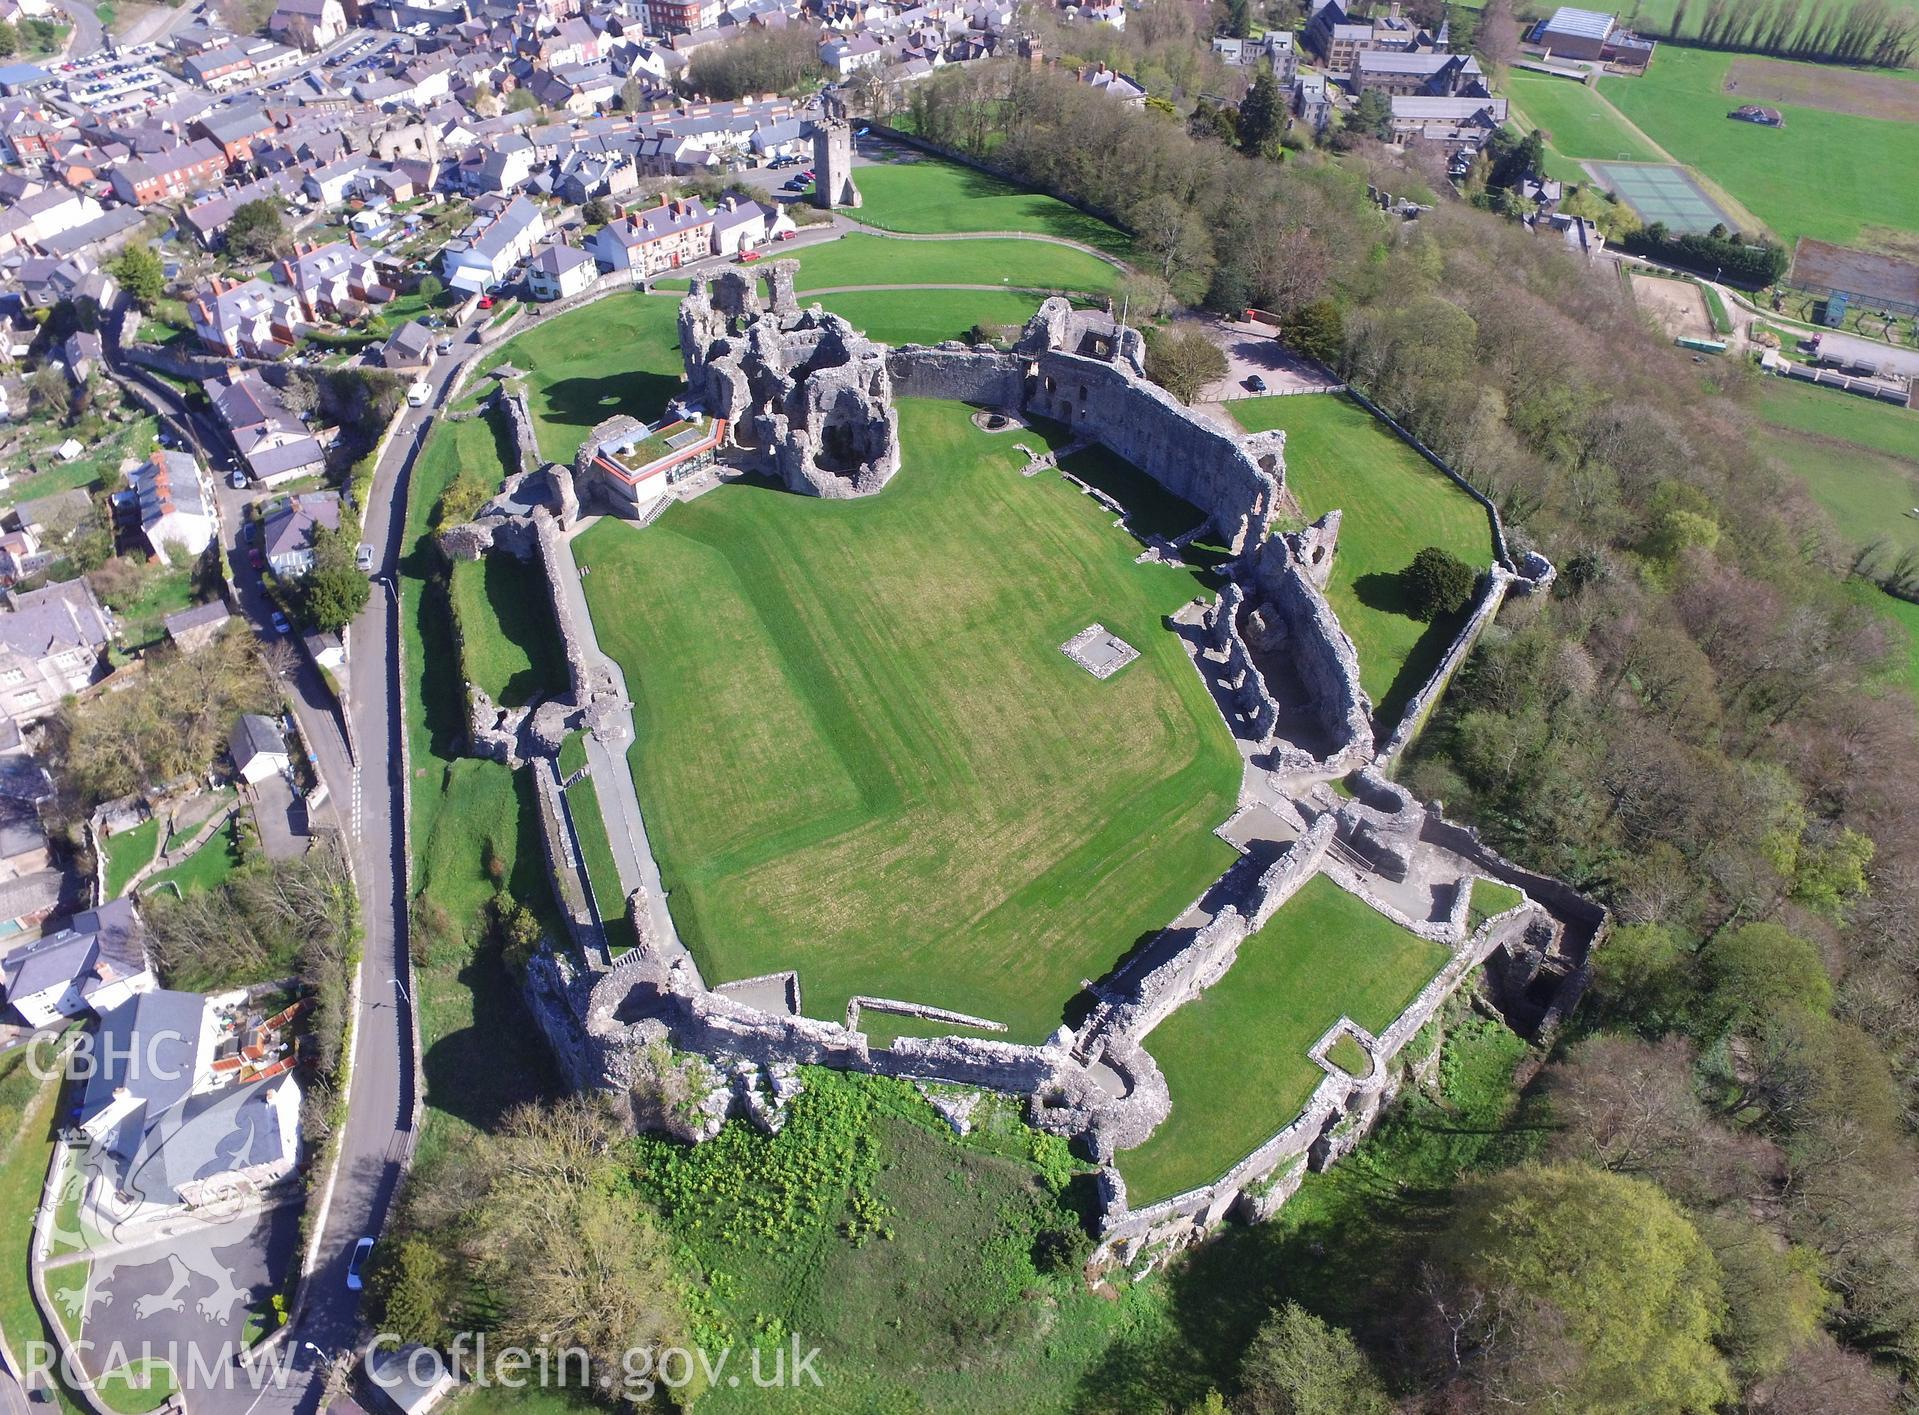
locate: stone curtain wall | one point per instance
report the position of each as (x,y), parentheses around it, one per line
(1145,425)
(1315,644)
(957,374)
(1124,1233)
(1492,595)
(1186,974)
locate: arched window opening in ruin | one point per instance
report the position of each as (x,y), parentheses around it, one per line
(1051,386)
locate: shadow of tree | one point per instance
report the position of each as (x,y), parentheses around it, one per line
(583,402)
(481,1071)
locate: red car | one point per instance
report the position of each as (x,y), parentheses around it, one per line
(257,558)
(786,235)
(486,302)
(748,256)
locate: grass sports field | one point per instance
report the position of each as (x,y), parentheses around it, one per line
(863,754)
(1235,1059)
(1860,459)
(1339,456)
(924,194)
(1824,174)
(1577,121)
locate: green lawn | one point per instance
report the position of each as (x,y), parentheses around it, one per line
(481,1053)
(1235,1060)
(24,1157)
(1577,122)
(596,850)
(508,643)
(1396,503)
(878,260)
(1655,17)
(863,754)
(167,590)
(1904,616)
(1349,1056)
(206,868)
(929,316)
(616,355)
(934,197)
(572,754)
(1490,898)
(1823,174)
(100,462)
(143,1384)
(127,853)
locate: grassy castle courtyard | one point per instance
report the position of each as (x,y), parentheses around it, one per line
(863,755)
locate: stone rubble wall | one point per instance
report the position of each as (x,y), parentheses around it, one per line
(519,421)
(1259,713)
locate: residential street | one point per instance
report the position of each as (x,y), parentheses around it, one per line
(366,795)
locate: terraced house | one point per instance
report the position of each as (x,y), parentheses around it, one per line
(332,279)
(658,239)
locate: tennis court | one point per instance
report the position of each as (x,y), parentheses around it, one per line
(1660,192)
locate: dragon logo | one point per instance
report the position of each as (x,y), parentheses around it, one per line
(150,1221)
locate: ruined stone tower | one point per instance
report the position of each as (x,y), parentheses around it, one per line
(833,165)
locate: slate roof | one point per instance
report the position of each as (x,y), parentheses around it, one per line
(52,620)
(255,736)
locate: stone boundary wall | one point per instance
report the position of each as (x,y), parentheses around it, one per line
(1124,1232)
(1492,596)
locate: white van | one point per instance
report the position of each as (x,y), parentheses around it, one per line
(417,395)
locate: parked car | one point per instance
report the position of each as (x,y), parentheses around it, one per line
(257,558)
(418,393)
(1256,383)
(238,480)
(355,1269)
(486,302)
(280,625)
(786,235)
(363,558)
(748,255)
(796,184)
(249,532)
(445,345)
